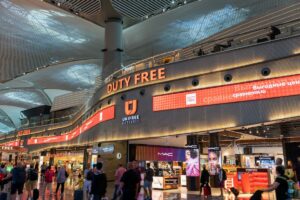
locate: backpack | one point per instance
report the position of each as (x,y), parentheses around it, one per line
(33,175)
(89,175)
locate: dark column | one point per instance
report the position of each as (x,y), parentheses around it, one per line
(85,158)
(284,132)
(214,140)
(113,46)
(192,182)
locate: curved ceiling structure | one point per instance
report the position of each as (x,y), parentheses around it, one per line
(35,34)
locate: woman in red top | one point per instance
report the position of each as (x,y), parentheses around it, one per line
(49,174)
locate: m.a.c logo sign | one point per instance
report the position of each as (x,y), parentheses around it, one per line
(130,109)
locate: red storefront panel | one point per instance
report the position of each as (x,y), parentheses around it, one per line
(255,90)
(99,117)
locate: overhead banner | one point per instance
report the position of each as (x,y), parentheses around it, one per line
(249,91)
(99,117)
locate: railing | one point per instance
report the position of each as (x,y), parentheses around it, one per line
(178,55)
(175,56)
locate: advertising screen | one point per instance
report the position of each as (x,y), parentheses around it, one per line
(192,162)
(255,90)
(158,153)
(103,115)
(214,159)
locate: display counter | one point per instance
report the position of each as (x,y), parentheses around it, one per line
(165,182)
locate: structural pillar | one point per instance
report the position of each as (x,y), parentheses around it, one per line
(193,182)
(85,158)
(113,46)
(214,141)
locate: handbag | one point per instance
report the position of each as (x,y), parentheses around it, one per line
(207,190)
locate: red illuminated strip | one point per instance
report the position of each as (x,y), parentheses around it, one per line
(24,132)
(99,117)
(264,89)
(14,143)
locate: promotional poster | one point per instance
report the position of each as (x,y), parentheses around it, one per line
(214,158)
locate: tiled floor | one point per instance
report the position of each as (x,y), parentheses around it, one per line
(180,194)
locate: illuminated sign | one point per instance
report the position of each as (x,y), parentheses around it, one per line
(136,79)
(15,143)
(99,117)
(249,91)
(130,110)
(24,132)
(131,107)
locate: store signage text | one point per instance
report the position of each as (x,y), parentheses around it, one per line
(136,79)
(24,132)
(130,109)
(107,149)
(165,154)
(249,91)
(101,116)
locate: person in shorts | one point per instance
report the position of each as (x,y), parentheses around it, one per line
(18,176)
(148,182)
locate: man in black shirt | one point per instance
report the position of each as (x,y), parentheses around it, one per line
(99,183)
(148,182)
(204,178)
(280,184)
(130,183)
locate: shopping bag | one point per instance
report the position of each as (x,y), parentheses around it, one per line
(207,190)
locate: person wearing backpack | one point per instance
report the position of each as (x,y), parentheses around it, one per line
(31,180)
(99,183)
(280,185)
(222,178)
(148,182)
(49,174)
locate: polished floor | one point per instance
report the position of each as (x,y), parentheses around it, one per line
(179,194)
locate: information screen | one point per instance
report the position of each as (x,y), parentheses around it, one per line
(255,90)
(99,117)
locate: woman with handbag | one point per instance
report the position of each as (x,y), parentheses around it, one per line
(204,178)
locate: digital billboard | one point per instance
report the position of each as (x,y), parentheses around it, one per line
(101,116)
(249,91)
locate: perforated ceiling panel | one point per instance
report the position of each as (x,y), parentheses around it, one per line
(138,9)
(87,7)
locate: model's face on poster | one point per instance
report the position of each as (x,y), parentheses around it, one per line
(213,160)
(192,160)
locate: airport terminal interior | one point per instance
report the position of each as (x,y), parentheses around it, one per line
(150,99)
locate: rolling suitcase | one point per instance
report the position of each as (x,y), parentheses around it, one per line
(3,196)
(78,195)
(36,194)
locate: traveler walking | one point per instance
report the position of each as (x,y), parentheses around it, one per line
(31,180)
(204,180)
(18,176)
(148,182)
(61,179)
(222,178)
(49,174)
(129,183)
(118,175)
(99,183)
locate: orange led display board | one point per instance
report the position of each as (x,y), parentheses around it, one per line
(99,117)
(249,91)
